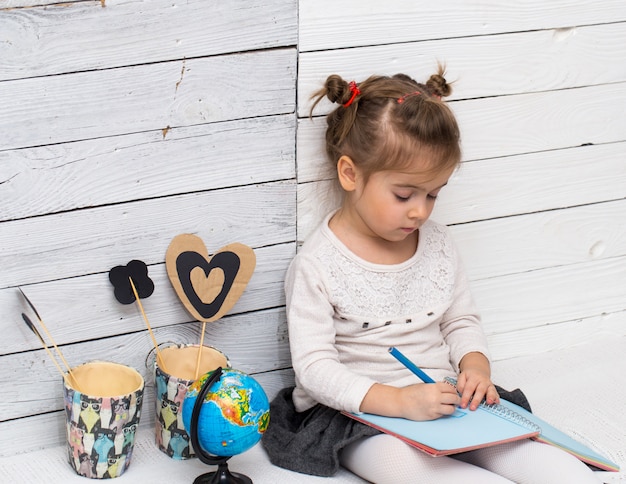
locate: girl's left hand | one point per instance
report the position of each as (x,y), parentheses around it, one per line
(474,382)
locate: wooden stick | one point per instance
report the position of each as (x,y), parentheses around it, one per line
(43,325)
(69,370)
(143,313)
(200,351)
(31,326)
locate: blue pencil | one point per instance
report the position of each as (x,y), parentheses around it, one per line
(410,365)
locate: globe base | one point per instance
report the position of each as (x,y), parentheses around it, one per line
(222,476)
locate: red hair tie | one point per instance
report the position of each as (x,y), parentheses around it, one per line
(354,89)
(414,93)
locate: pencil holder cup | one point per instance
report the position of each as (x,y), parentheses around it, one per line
(174,372)
(102,417)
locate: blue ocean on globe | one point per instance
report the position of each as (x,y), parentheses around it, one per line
(234,415)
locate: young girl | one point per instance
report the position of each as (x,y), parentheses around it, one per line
(378,273)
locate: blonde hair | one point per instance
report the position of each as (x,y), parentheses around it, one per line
(389,121)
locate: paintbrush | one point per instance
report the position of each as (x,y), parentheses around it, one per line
(32,327)
(145,318)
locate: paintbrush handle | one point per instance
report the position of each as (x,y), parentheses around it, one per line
(31,326)
(69,369)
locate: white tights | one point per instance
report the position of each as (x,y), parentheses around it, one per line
(386,459)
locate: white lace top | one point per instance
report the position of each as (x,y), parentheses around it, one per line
(344,313)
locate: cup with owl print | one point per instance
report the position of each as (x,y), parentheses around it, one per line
(102,407)
(174,372)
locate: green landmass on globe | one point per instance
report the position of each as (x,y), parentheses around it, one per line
(234,415)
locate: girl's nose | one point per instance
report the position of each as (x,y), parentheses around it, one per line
(419,210)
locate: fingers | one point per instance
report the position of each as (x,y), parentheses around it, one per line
(449,398)
(492,395)
(473,396)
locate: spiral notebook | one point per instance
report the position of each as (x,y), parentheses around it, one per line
(486,426)
(462,431)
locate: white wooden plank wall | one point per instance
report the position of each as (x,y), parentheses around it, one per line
(539,205)
(124,123)
(123,126)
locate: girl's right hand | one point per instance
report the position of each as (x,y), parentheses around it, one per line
(422,401)
(428,401)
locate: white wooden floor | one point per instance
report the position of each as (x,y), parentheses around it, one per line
(578,389)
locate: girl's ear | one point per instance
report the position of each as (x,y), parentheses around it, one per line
(346,172)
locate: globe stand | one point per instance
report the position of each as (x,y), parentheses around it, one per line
(222,475)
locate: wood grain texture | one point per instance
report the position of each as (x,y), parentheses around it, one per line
(540,341)
(10,4)
(540,240)
(254,342)
(486,189)
(543,121)
(480,66)
(84,308)
(131,32)
(537,298)
(63,177)
(85,105)
(534,182)
(326,24)
(92,241)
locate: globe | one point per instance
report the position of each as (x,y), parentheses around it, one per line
(234,415)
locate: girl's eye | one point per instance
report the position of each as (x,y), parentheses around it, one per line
(401,198)
(433,196)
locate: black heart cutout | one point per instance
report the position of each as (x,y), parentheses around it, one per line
(227,261)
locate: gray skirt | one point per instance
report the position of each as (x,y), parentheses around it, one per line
(309,442)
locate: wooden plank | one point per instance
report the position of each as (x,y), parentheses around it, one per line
(517,63)
(93,241)
(47,430)
(86,105)
(351,24)
(553,337)
(539,240)
(535,122)
(501,187)
(84,308)
(541,121)
(62,177)
(254,342)
(32,433)
(534,299)
(315,201)
(9,4)
(534,182)
(127,33)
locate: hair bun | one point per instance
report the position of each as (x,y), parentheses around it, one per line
(337,90)
(438,85)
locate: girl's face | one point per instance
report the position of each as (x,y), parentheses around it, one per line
(393,204)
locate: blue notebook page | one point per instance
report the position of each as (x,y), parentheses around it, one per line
(464,430)
(553,436)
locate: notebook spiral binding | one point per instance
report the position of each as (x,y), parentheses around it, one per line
(504,412)
(507,413)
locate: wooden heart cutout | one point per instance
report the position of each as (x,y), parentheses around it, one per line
(207,286)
